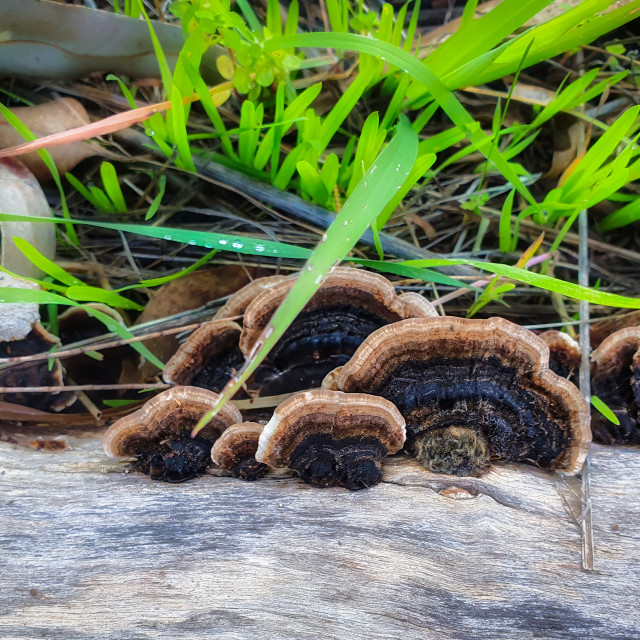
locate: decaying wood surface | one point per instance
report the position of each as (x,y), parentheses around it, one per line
(91,552)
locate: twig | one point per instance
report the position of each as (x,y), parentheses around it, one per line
(86,387)
(585,389)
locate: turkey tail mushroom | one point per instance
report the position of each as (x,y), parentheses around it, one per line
(472,391)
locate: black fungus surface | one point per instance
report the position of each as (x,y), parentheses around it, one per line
(482,394)
(352,463)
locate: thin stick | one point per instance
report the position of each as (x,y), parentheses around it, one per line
(6,362)
(585,389)
(86,387)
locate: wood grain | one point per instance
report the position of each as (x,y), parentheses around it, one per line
(91,552)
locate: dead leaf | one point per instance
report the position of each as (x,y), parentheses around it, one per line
(189,292)
(46,119)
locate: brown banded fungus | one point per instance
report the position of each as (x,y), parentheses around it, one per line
(346,308)
(472,391)
(331,439)
(615,379)
(208,358)
(240,300)
(159,434)
(564,354)
(235,451)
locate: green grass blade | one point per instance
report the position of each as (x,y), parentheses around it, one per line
(112,186)
(250,16)
(44,264)
(86,293)
(504,230)
(155,205)
(539,280)
(10,295)
(604,409)
(377,187)
(208,240)
(165,71)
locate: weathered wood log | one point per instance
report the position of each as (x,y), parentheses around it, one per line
(91,552)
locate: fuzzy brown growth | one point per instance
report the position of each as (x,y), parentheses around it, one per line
(459,451)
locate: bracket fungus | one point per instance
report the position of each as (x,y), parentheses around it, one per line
(208,358)
(159,434)
(564,354)
(615,379)
(237,304)
(235,451)
(348,306)
(329,438)
(472,391)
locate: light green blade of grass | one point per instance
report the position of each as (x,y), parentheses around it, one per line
(86,293)
(605,410)
(97,202)
(178,127)
(208,240)
(449,103)
(157,282)
(10,295)
(45,156)
(165,71)
(250,16)
(292,19)
(210,108)
(481,35)
(112,186)
(157,201)
(376,188)
(626,215)
(504,230)
(126,92)
(101,200)
(538,280)
(422,165)
(575,28)
(427,275)
(274,21)
(294,111)
(45,284)
(44,264)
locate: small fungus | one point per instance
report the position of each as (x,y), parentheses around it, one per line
(240,300)
(615,379)
(208,358)
(330,438)
(235,451)
(564,354)
(159,434)
(472,391)
(348,306)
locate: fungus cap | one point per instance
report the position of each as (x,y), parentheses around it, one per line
(564,354)
(214,344)
(235,450)
(342,286)
(240,300)
(615,379)
(487,376)
(171,414)
(338,415)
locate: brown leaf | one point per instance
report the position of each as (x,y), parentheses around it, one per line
(189,292)
(46,119)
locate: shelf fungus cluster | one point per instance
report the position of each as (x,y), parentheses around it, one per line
(615,379)
(329,438)
(472,391)
(348,306)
